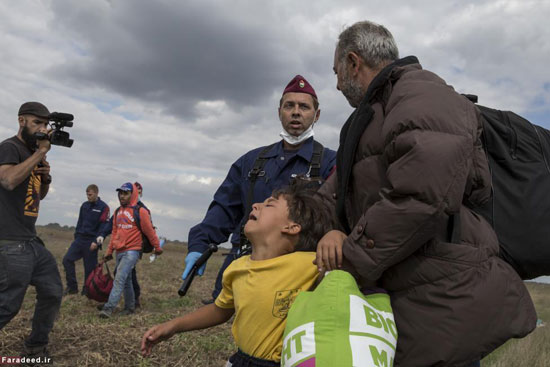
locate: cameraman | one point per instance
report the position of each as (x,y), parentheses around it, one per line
(24,181)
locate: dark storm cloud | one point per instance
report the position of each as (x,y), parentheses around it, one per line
(174,53)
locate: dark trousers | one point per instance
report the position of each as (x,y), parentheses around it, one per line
(135,284)
(241,359)
(228,260)
(80,249)
(24,263)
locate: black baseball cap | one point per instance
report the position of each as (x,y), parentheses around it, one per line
(34,108)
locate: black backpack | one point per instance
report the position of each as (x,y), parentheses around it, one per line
(146,246)
(519,208)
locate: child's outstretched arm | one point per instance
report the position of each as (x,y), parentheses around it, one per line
(205,317)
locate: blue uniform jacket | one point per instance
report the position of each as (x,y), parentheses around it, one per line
(225,213)
(107,228)
(91,219)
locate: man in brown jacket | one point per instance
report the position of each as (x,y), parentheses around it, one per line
(410,163)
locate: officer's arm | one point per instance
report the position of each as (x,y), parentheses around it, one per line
(80,218)
(222,217)
(106,228)
(103,219)
(224,213)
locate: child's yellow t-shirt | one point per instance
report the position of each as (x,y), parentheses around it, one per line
(261,292)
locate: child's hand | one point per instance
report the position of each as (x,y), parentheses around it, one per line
(329,251)
(155,335)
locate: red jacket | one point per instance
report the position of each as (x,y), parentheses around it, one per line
(126,234)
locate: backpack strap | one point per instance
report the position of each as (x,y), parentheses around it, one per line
(137,218)
(316,159)
(256,171)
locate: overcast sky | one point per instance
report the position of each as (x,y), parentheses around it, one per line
(171,93)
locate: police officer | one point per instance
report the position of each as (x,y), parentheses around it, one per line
(94,214)
(281,161)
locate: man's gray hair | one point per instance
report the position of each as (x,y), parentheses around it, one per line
(371,41)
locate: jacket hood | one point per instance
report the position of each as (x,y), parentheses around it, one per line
(135,195)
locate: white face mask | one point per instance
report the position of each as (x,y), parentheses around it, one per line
(295,140)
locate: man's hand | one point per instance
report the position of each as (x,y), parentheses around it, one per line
(158,251)
(43,169)
(44,145)
(155,335)
(190,260)
(93,246)
(329,251)
(107,257)
(99,240)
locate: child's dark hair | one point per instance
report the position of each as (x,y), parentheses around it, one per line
(309,213)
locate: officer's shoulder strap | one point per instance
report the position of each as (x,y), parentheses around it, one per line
(316,159)
(259,163)
(256,171)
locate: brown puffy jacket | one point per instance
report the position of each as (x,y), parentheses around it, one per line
(417,162)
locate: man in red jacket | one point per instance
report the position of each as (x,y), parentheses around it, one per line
(126,239)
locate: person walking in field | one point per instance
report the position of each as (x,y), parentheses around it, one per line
(127,241)
(94,214)
(24,260)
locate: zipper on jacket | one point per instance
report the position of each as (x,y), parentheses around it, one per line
(513,137)
(541,150)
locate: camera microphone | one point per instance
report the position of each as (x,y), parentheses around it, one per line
(57,116)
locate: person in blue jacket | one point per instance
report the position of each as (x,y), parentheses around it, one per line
(94,213)
(290,157)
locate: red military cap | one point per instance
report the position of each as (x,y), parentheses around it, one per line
(299,84)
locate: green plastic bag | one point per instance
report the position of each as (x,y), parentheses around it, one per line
(336,325)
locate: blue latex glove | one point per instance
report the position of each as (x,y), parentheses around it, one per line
(190,260)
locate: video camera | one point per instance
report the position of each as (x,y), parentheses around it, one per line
(58,136)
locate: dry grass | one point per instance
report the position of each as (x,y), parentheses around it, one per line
(533,350)
(80,338)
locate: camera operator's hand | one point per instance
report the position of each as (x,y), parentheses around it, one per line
(44,145)
(43,169)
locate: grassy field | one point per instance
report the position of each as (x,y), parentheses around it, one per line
(81,338)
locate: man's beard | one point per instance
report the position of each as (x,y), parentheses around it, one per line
(352,90)
(29,138)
